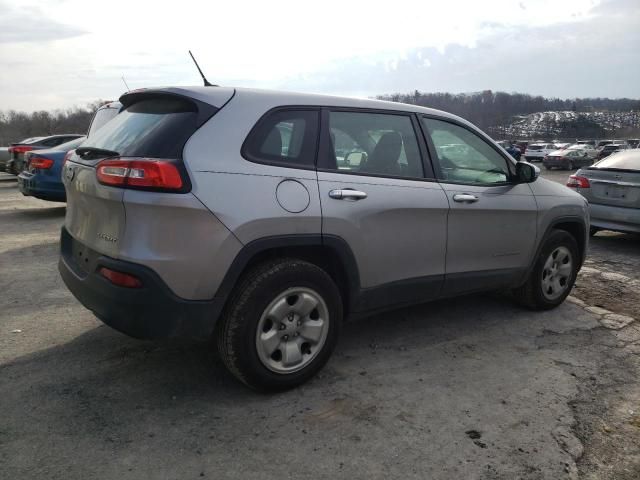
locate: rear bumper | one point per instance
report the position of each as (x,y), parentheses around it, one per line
(152,311)
(619,219)
(31,185)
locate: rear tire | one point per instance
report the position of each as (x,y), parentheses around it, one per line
(281,324)
(553,274)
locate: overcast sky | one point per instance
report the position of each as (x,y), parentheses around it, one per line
(60,53)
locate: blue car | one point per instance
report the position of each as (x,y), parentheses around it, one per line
(41,177)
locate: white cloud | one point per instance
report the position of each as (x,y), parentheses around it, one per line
(253,43)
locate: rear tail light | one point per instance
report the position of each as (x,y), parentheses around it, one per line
(20,149)
(576,181)
(41,163)
(144,173)
(67,156)
(120,279)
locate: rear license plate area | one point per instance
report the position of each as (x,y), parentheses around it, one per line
(615,192)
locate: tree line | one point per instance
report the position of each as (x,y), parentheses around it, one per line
(16,126)
(489,109)
(492,111)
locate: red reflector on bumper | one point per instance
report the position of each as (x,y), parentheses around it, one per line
(119,278)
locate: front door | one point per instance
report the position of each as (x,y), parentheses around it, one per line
(492,220)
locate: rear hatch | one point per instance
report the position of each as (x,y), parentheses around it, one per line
(153,126)
(615,180)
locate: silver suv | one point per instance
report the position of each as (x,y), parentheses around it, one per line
(263,219)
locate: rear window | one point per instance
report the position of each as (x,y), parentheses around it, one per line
(71,145)
(535,147)
(156,128)
(101,117)
(620,161)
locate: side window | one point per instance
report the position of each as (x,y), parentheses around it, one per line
(374,144)
(284,137)
(463,156)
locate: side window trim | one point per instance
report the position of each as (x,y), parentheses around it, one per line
(285,164)
(433,153)
(323,164)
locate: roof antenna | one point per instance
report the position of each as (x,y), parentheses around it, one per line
(125,84)
(206,82)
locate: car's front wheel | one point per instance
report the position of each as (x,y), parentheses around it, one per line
(281,325)
(554,273)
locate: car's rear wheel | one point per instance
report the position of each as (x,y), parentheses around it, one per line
(554,273)
(281,325)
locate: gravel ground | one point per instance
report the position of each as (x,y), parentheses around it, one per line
(475,388)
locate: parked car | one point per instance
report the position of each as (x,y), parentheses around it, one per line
(561,146)
(538,151)
(586,148)
(41,177)
(510,148)
(223,212)
(522,145)
(567,159)
(106,112)
(4,158)
(633,142)
(602,143)
(17,150)
(612,187)
(608,149)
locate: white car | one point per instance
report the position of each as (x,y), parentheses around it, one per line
(585,147)
(537,151)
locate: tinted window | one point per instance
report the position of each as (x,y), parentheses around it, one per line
(463,156)
(286,137)
(71,145)
(374,144)
(101,117)
(156,128)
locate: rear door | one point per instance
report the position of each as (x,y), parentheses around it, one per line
(492,221)
(378,195)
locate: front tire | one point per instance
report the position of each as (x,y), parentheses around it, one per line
(553,275)
(281,325)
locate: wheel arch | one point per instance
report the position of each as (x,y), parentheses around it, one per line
(331,253)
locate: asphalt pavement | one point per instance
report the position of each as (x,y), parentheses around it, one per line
(475,388)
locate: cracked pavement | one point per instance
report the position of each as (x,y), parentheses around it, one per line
(473,388)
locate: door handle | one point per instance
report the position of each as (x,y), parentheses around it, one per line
(347,194)
(465,198)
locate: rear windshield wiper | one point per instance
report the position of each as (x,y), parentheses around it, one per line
(82,151)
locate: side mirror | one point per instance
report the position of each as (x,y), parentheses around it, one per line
(526,172)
